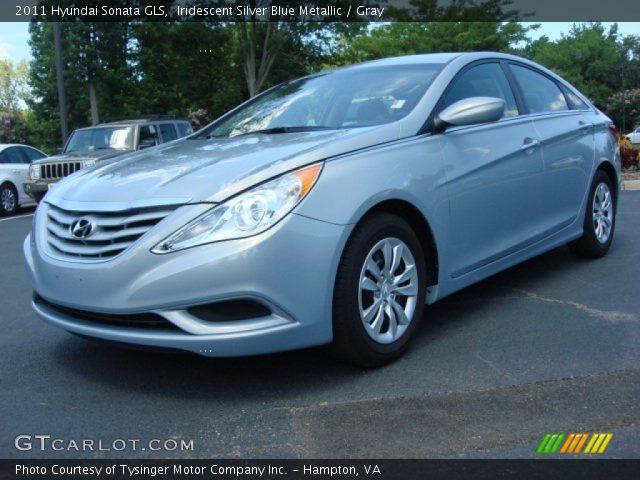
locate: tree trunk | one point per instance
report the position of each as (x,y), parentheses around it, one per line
(62,98)
(256,71)
(93,101)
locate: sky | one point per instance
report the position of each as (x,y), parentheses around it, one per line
(15,35)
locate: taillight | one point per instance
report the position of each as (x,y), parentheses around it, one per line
(614,131)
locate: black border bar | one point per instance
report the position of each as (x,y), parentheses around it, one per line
(320,10)
(320,469)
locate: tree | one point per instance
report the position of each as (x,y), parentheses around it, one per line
(184,66)
(587,56)
(14,89)
(598,62)
(285,44)
(408,38)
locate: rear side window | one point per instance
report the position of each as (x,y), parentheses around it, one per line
(541,94)
(168,132)
(184,129)
(148,136)
(575,102)
(32,154)
(484,80)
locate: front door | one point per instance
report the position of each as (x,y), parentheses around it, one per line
(493,176)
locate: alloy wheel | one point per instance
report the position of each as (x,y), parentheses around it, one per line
(8,200)
(388,290)
(602,212)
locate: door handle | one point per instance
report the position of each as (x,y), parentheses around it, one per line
(15,171)
(529,143)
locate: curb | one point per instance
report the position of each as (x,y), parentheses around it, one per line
(631,185)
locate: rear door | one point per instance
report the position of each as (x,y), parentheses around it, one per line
(565,126)
(492,174)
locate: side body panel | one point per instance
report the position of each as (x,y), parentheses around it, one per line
(494,179)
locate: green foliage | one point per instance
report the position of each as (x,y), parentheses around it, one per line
(14,90)
(185,66)
(407,38)
(630,100)
(588,57)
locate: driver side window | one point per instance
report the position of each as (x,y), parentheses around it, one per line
(484,80)
(148,136)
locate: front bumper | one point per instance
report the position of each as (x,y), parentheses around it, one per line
(289,268)
(37,190)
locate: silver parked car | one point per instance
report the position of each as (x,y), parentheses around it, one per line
(328,210)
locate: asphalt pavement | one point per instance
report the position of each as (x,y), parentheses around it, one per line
(552,345)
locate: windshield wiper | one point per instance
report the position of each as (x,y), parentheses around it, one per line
(269,131)
(277,130)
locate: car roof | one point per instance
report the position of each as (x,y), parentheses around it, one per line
(410,60)
(135,121)
(7,145)
(429,58)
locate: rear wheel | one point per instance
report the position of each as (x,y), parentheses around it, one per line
(599,219)
(379,292)
(8,199)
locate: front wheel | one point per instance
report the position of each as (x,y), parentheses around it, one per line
(8,200)
(379,292)
(599,219)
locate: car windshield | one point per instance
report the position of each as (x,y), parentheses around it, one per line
(338,99)
(100,138)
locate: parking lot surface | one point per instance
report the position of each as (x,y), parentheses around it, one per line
(552,345)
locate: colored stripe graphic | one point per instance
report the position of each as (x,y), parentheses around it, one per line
(565,447)
(543,443)
(598,443)
(603,447)
(594,437)
(551,442)
(573,442)
(581,443)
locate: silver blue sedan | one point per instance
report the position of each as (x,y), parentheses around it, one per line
(329,210)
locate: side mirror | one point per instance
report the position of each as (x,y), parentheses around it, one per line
(470,111)
(150,142)
(59,150)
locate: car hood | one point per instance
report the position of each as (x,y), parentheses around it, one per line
(209,170)
(83,155)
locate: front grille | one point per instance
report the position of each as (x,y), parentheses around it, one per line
(138,320)
(55,171)
(111,233)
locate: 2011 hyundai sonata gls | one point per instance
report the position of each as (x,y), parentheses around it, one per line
(329,210)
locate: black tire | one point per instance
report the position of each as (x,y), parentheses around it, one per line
(6,189)
(588,245)
(351,341)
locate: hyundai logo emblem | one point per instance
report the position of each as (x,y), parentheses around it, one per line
(81,228)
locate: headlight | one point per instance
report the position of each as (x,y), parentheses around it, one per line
(247,214)
(88,163)
(34,172)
